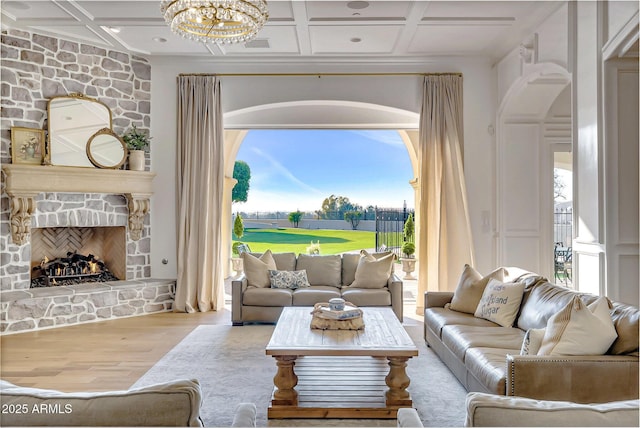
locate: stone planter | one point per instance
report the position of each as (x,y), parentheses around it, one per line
(236,263)
(408,266)
(136,160)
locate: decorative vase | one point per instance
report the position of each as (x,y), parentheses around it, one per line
(136,160)
(408,266)
(237,264)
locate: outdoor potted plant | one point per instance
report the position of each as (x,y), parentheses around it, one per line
(408,249)
(138,143)
(238,231)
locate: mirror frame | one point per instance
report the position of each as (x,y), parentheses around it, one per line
(74,95)
(107,131)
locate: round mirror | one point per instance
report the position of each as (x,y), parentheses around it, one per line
(106,150)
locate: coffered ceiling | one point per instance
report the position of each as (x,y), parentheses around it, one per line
(304,30)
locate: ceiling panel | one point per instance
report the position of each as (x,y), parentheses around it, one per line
(149,10)
(478,9)
(281,39)
(341,39)
(149,39)
(454,39)
(332,10)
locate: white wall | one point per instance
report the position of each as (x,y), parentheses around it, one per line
(398,92)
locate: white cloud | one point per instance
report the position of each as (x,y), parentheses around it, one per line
(284,172)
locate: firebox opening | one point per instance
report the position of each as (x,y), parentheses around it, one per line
(74,255)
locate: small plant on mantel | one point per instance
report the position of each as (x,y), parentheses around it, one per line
(137,142)
(136,139)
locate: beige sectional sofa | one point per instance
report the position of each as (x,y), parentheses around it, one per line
(329,276)
(486,357)
(489,410)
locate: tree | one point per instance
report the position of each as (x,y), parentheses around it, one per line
(409,229)
(295,217)
(238,226)
(353,217)
(242,173)
(334,207)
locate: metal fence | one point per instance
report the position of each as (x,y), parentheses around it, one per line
(390,228)
(563,226)
(368,214)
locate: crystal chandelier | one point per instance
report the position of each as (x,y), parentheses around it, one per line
(218,21)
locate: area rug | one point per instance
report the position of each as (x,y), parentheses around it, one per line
(231,366)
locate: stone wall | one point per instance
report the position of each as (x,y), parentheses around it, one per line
(36,68)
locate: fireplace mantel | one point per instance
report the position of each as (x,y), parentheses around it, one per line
(24,182)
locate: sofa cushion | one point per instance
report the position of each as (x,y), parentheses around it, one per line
(373,272)
(321,270)
(256,269)
(309,296)
(626,320)
(489,410)
(459,338)
(285,261)
(532,341)
(349,265)
(488,366)
(470,288)
(500,302)
(579,329)
(543,301)
(288,279)
(367,296)
(436,318)
(254,296)
(174,403)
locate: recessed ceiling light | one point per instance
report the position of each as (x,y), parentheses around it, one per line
(355,14)
(159,39)
(355,39)
(115,30)
(16,5)
(357,4)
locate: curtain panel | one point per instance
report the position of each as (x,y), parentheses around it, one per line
(200,179)
(445,243)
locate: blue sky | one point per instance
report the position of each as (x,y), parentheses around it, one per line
(298,169)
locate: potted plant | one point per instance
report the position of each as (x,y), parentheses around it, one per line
(408,249)
(238,231)
(138,143)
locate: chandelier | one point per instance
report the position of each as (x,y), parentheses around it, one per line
(218,21)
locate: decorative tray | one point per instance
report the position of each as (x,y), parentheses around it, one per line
(326,319)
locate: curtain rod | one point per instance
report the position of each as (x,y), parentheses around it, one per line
(316,74)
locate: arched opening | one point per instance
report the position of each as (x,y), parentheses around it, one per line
(315,114)
(534,123)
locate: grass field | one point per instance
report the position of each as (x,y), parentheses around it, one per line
(297,240)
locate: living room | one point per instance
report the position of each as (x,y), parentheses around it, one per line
(527,92)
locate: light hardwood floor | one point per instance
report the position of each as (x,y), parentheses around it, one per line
(103,356)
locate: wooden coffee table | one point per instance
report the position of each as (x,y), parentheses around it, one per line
(340,373)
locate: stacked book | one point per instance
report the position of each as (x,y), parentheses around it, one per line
(349,312)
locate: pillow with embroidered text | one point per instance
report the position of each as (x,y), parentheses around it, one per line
(500,302)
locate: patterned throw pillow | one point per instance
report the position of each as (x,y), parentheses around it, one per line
(532,341)
(291,279)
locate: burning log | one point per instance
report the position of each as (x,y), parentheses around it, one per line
(73,269)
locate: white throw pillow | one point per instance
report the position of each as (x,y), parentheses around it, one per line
(257,269)
(373,272)
(579,329)
(500,302)
(532,341)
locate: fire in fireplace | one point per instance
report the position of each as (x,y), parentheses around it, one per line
(73,269)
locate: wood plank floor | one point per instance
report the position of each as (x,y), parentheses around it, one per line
(101,356)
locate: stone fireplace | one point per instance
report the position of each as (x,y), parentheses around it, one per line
(56,210)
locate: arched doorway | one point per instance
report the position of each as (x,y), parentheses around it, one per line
(533,121)
(311,114)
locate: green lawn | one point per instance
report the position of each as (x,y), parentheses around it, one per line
(297,240)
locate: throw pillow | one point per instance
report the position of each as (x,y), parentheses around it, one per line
(579,329)
(257,269)
(500,302)
(288,279)
(470,288)
(532,341)
(373,272)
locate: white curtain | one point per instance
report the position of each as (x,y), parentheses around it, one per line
(445,243)
(200,179)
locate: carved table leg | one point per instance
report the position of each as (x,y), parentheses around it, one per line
(398,381)
(285,381)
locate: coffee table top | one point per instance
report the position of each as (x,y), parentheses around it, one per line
(383,336)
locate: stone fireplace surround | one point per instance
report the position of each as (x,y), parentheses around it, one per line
(46,196)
